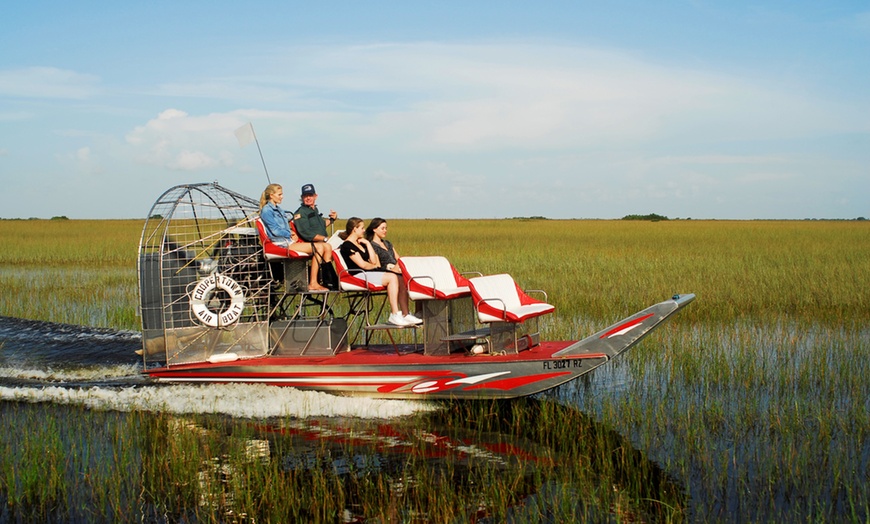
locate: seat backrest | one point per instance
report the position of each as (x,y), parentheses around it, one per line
(497,288)
(432,277)
(261,230)
(293,230)
(273,251)
(498,298)
(347,280)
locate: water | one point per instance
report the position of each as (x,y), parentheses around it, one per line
(754,421)
(98,368)
(80,394)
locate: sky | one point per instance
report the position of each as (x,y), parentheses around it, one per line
(450,109)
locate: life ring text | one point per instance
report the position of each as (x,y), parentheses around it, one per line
(202,294)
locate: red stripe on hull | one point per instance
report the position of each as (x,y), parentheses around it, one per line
(627,325)
(513,383)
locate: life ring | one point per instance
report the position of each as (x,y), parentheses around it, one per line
(202,294)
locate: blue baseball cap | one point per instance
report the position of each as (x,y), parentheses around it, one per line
(308,189)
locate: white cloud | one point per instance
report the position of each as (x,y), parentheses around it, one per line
(223,89)
(178,141)
(15,116)
(48,82)
(171,114)
(711,160)
(83,154)
(192,161)
(381,175)
(467,97)
(467,130)
(754,178)
(534,96)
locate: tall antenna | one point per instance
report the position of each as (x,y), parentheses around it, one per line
(245,136)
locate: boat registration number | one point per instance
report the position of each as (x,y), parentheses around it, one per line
(562,364)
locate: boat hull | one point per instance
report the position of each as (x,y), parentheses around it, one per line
(386,374)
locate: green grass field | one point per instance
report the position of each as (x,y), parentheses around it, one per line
(805,271)
(754,399)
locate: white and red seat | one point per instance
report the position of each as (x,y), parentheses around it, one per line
(359,289)
(348,281)
(498,298)
(433,278)
(273,251)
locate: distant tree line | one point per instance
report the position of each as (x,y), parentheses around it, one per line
(62,217)
(652,217)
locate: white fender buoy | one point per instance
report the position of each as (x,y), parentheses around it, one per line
(223,357)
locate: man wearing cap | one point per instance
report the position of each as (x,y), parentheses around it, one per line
(309,221)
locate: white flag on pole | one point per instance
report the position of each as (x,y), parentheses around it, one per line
(245,134)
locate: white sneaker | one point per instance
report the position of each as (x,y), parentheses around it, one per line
(397,320)
(412,320)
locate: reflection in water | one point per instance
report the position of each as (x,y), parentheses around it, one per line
(466,462)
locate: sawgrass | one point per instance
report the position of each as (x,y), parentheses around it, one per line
(765,422)
(754,398)
(813,271)
(65,243)
(810,270)
(70,271)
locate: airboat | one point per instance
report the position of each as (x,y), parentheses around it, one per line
(220,303)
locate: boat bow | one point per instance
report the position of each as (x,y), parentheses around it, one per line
(615,339)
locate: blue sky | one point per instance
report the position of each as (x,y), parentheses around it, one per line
(724,110)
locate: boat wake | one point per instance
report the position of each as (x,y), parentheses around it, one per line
(98,368)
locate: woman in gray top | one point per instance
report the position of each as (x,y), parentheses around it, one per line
(376,234)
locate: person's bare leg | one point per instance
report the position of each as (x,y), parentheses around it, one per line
(392,292)
(403,296)
(313,284)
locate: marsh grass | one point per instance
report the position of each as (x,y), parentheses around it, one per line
(491,462)
(101,296)
(754,400)
(70,271)
(65,243)
(811,271)
(63,464)
(760,421)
